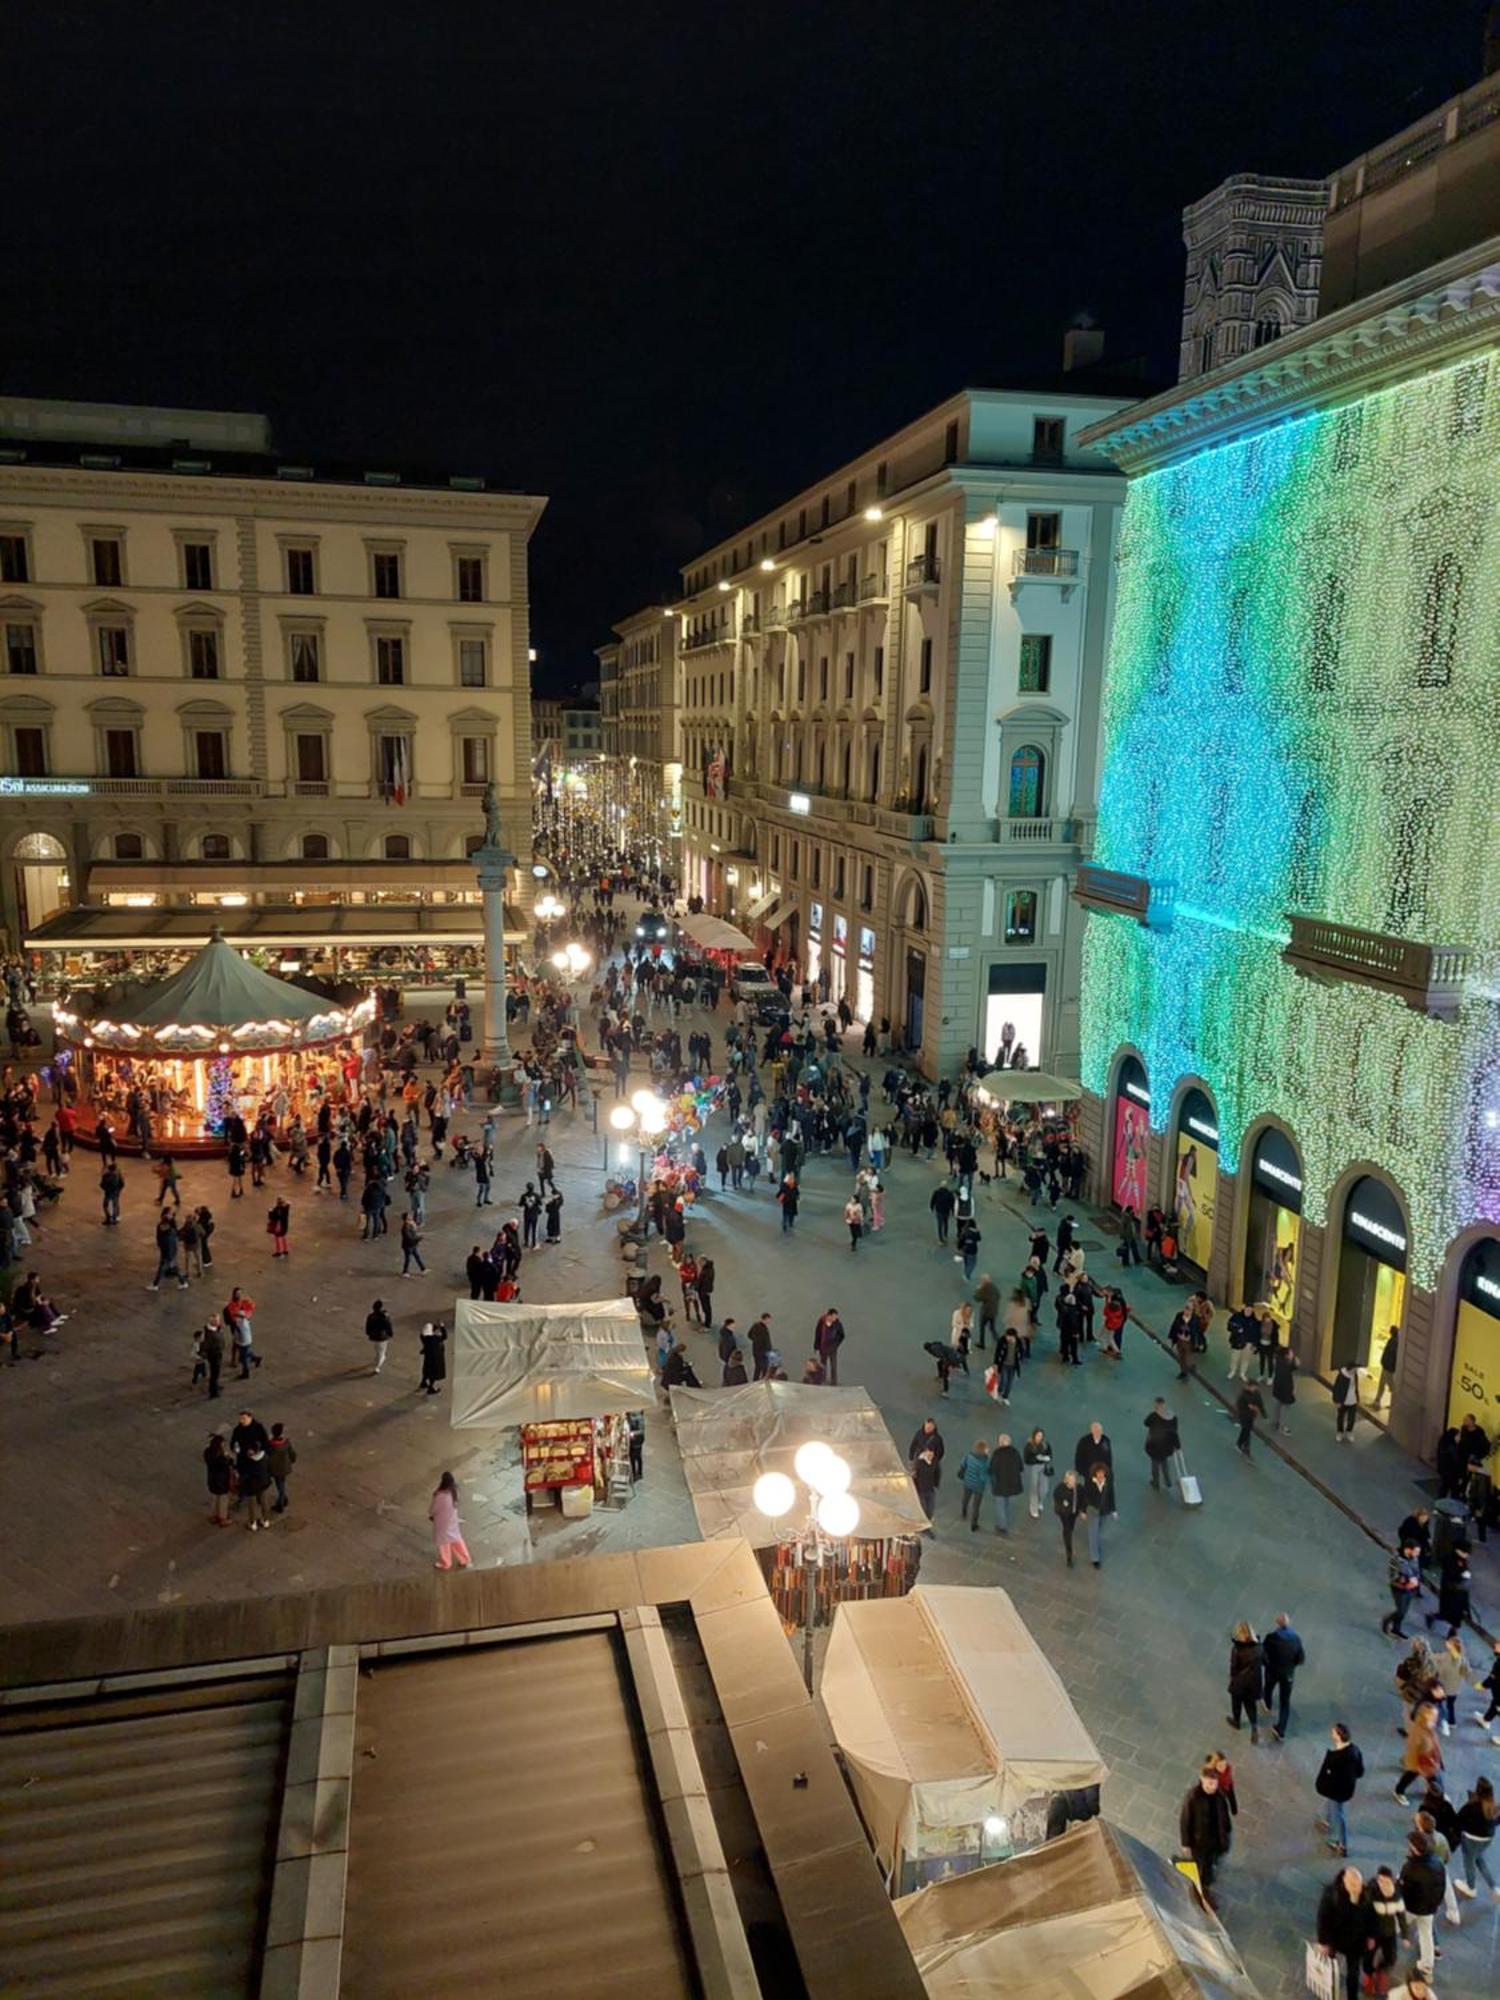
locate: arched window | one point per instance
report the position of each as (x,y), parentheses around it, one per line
(398,847)
(1438,639)
(215,847)
(129,847)
(846,769)
(1028,778)
(1268,328)
(315,847)
(916,908)
(919,784)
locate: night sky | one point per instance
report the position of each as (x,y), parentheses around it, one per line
(664,263)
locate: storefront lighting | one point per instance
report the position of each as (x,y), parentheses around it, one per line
(1274,1173)
(1208,1133)
(1488,1286)
(798,802)
(766,563)
(1392,1238)
(234,900)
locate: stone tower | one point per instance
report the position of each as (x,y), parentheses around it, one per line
(1254,256)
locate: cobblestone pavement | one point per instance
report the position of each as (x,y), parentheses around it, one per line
(102,1481)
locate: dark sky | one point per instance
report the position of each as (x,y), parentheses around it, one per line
(664,263)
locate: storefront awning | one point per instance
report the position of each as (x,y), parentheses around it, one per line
(713,934)
(780,914)
(761,904)
(309,925)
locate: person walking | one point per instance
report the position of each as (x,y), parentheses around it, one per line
(987,1298)
(447,1536)
(218,1466)
(1387,1922)
(1284,1653)
(411,1242)
(111,1187)
(434,1338)
(484,1169)
(1094,1448)
(1343,1925)
(212,1350)
(828,1338)
(1163,1443)
(1006,1480)
(1404,1580)
(1248,1405)
(1454,1580)
(968,1241)
(166,1252)
(1423,1884)
(1345,1401)
(1337,1781)
(1036,1460)
(925,1457)
(1068,1503)
(854,1220)
(1422,1756)
(239,1317)
(974,1477)
(278,1221)
(1099,1501)
(1385,1390)
(1204,1828)
(942,1203)
(281,1456)
(790,1199)
(1246,1679)
(1476,1825)
(255,1481)
(379,1332)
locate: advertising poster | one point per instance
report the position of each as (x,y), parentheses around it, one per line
(1132,1136)
(1275,1279)
(1195,1195)
(1474,1386)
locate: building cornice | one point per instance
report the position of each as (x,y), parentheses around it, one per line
(1426,321)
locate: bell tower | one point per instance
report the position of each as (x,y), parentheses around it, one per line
(1254,257)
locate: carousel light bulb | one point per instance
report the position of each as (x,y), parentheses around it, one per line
(838,1514)
(774,1495)
(812,1462)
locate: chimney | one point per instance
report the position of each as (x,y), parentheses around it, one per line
(1082,346)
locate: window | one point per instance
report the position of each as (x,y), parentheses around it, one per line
(802,680)
(398,847)
(1036,662)
(393,768)
(215,847)
(301,576)
(794,866)
(203,654)
(472,843)
(880,477)
(315,845)
(875,775)
(120,760)
(312,758)
(838,878)
(129,847)
(20,646)
(1438,636)
(198,565)
(476,760)
(867,887)
(1327,635)
(469,579)
(107,561)
(1205,352)
(210,753)
(801,524)
(30,751)
(1267,328)
(879,672)
(473,663)
(306,656)
(385,569)
(1020,916)
(823,680)
(848,676)
(950,443)
(1047,440)
(817,867)
(849,497)
(15,562)
(827,506)
(114,650)
(390,659)
(1028,772)
(1044,531)
(924,676)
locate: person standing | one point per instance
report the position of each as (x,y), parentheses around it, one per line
(1248,1405)
(1246,1679)
(1099,1501)
(1006,1480)
(1476,1825)
(925,1457)
(1094,1448)
(1385,1391)
(484,1165)
(987,1298)
(1423,1884)
(1163,1442)
(111,1187)
(1284,1388)
(239,1317)
(530,1206)
(854,1220)
(1241,1328)
(434,1367)
(213,1351)
(166,1252)
(1337,1781)
(281,1456)
(447,1537)
(942,1203)
(379,1332)
(974,1477)
(1345,1401)
(1068,1504)
(1204,1829)
(278,1221)
(1284,1653)
(790,1200)
(708,1277)
(1036,1459)
(1343,1927)
(1404,1579)
(828,1338)
(759,1337)
(218,1466)
(255,1480)
(554,1209)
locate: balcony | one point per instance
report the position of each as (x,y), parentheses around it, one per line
(845,596)
(715,635)
(904,825)
(1060,566)
(1114,894)
(818,604)
(133,788)
(1429,978)
(796,611)
(924,574)
(750,625)
(775,618)
(1033,832)
(874,589)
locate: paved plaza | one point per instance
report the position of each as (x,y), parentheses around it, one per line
(106,1509)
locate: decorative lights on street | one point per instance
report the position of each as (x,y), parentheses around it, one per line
(573,960)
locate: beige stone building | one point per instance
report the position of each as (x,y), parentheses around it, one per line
(640,701)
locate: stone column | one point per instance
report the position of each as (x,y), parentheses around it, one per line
(491,863)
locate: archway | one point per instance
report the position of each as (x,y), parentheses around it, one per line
(1273,1225)
(910,943)
(1195,1175)
(1474,1374)
(1130,1136)
(42,881)
(1370,1299)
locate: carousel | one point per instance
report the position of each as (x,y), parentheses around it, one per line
(170,1063)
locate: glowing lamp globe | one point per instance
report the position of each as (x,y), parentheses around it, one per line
(812,1462)
(622,1117)
(774,1494)
(838,1514)
(836,1475)
(643,1100)
(653,1119)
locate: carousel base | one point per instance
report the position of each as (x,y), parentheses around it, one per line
(182,1139)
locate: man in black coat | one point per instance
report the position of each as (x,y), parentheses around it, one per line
(942,1204)
(213,1351)
(925,1455)
(1163,1442)
(1006,1480)
(1094,1448)
(476,1269)
(1203,1827)
(1284,1653)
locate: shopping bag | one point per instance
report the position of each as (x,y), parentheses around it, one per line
(1192,1493)
(1324,1975)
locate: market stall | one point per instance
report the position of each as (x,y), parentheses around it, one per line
(955,1729)
(729,1437)
(568,1376)
(175,1059)
(1095,1912)
(713,934)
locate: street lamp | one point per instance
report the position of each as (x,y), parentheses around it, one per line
(832,1516)
(573,961)
(646,1116)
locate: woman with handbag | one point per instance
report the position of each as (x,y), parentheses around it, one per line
(1423,1755)
(1036,1459)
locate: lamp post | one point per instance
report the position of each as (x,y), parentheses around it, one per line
(832,1516)
(646,1116)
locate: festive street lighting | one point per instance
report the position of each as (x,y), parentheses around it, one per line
(646,1116)
(832,1516)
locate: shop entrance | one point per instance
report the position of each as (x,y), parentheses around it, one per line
(1131,1138)
(916,994)
(1474,1383)
(816,973)
(864,978)
(838,968)
(1273,1236)
(1016,999)
(1372,1280)
(1195,1184)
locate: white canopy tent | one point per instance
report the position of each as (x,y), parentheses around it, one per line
(1028,1086)
(948,1714)
(729,1437)
(714,934)
(1093,1913)
(525,1364)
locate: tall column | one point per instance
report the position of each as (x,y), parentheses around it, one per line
(491,863)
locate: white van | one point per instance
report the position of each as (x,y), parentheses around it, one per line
(754,985)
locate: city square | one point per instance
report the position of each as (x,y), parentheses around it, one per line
(990,968)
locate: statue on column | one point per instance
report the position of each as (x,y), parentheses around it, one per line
(491,815)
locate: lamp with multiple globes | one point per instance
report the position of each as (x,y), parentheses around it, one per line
(832,1515)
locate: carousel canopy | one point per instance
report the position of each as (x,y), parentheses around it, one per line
(217,997)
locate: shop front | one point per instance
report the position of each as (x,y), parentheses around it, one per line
(1474,1384)
(864,976)
(1273,1234)
(838,965)
(1015,999)
(815,949)
(1130,1139)
(1371,1297)
(916,996)
(1195,1182)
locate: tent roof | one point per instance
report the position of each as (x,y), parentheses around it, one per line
(714,934)
(947,1710)
(217,989)
(1029,1086)
(1094,1912)
(729,1437)
(528,1364)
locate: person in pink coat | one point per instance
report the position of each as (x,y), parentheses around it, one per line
(443,1514)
